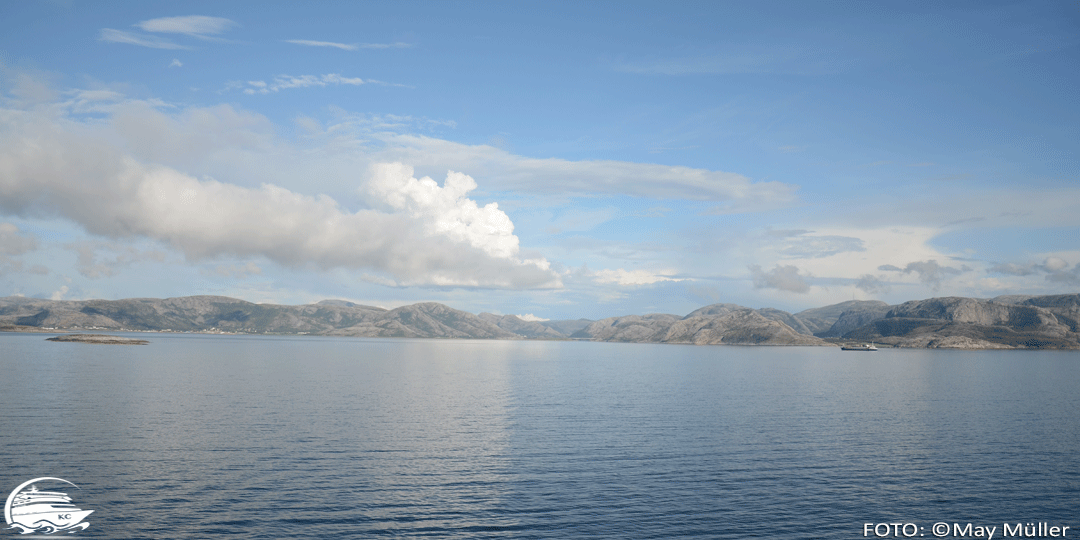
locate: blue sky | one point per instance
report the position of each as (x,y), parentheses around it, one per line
(547,159)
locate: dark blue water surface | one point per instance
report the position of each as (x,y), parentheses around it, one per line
(199,436)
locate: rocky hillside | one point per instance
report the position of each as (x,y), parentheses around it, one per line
(629,328)
(1066,307)
(184,314)
(526,329)
(838,319)
(970,323)
(426,320)
(739,327)
(726,324)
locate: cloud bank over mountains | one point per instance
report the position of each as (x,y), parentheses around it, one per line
(424,234)
(132,169)
(226,186)
(1054,269)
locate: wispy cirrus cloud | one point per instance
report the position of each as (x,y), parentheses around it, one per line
(349,46)
(192,25)
(131,38)
(395,45)
(283,82)
(564,177)
(312,43)
(198,26)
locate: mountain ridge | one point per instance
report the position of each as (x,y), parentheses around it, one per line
(1013,321)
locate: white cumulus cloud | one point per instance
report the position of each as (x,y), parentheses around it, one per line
(445,210)
(60,293)
(423,234)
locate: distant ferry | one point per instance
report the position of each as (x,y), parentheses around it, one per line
(863,347)
(49,510)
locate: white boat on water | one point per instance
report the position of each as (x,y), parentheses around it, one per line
(863,347)
(47,511)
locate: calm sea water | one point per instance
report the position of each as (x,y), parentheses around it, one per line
(197,436)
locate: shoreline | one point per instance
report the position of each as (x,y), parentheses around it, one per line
(69,336)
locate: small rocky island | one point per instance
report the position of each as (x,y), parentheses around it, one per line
(99,339)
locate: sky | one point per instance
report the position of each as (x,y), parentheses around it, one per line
(550,160)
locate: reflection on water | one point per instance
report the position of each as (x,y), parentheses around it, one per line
(239,436)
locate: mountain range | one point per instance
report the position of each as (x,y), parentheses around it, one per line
(1007,322)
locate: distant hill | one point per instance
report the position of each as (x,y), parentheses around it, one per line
(526,329)
(1004,322)
(219,313)
(567,327)
(838,319)
(184,314)
(1041,322)
(426,320)
(727,324)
